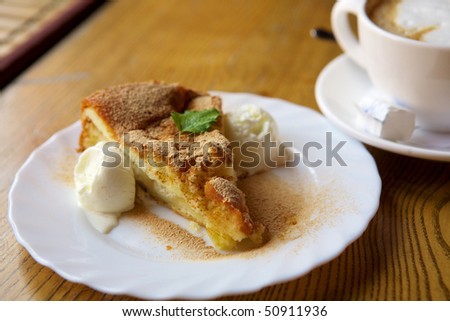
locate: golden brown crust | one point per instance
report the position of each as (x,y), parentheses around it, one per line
(138,105)
(138,114)
(222,190)
(225,192)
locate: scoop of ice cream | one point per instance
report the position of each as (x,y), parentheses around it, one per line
(254,135)
(104,184)
(249,123)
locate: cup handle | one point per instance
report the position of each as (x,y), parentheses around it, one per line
(342,30)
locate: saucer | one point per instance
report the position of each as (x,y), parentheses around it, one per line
(341,84)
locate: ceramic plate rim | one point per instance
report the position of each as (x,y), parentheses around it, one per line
(347,236)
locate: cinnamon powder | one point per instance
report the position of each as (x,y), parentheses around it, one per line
(170,235)
(290,209)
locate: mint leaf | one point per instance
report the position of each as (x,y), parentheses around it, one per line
(195,121)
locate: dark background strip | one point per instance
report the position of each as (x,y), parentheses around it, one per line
(26,53)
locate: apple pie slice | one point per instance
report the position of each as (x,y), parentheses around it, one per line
(190,173)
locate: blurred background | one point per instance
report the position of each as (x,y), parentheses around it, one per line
(253,46)
(74,47)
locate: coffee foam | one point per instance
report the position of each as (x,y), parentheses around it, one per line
(424,20)
(433,15)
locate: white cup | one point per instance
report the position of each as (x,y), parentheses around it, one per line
(415,74)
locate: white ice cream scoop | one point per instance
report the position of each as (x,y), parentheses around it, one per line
(105,187)
(247,127)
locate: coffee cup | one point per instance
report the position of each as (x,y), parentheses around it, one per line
(411,69)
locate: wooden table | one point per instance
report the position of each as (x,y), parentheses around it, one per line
(261,47)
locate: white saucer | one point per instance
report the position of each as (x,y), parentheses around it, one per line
(341,84)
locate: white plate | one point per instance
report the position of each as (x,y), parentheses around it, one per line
(341,84)
(338,203)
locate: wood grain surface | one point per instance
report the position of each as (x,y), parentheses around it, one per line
(261,47)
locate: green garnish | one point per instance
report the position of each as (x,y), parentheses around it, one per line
(195,121)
